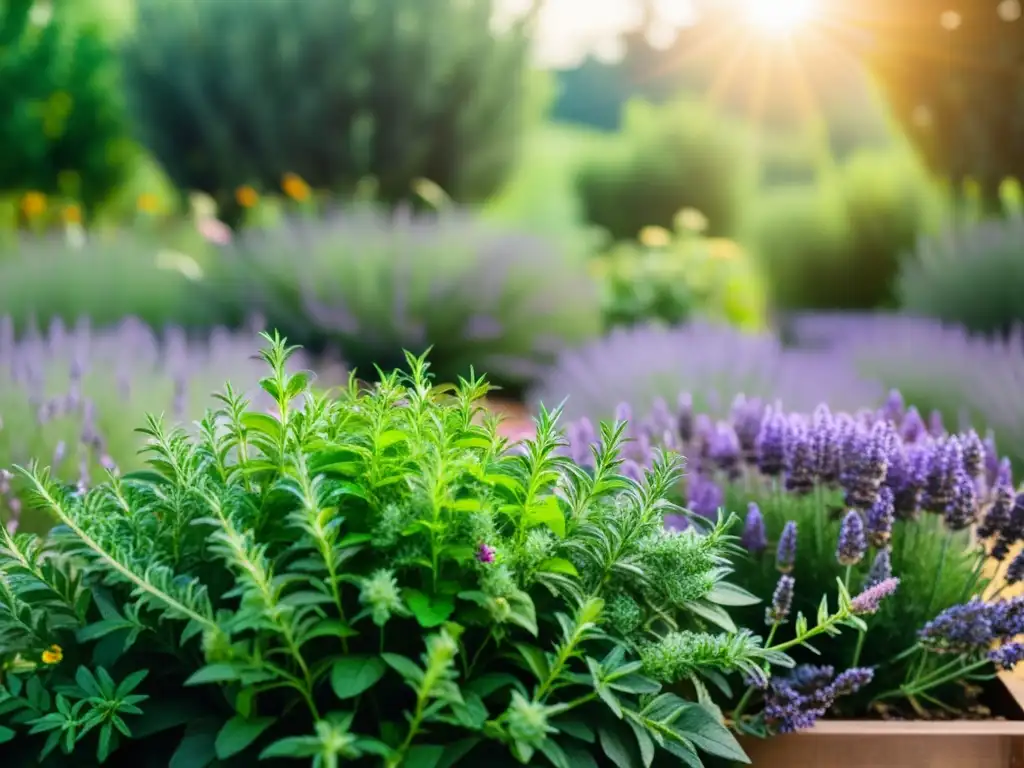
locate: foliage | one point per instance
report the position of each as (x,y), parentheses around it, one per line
(373,579)
(370,283)
(680,155)
(971,275)
(61,109)
(861,499)
(672,277)
(836,244)
(73,395)
(240,93)
(106,277)
(644,364)
(964,119)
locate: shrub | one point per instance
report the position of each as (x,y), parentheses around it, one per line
(235,93)
(973,276)
(73,396)
(107,277)
(62,112)
(870,500)
(836,244)
(682,155)
(373,579)
(712,363)
(371,284)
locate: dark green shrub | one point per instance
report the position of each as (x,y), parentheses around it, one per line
(370,284)
(62,125)
(243,91)
(971,275)
(681,155)
(374,580)
(837,243)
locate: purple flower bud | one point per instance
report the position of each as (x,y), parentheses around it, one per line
(782,601)
(881,569)
(724,448)
(624,412)
(785,553)
(771,454)
(852,680)
(866,464)
(684,420)
(963,628)
(754,538)
(1012,532)
(943,470)
(880,519)
(801,463)
(991,457)
(485,554)
(676,522)
(935,426)
(998,515)
(974,454)
(632,470)
(704,496)
(826,446)
(913,427)
(870,600)
(962,509)
(1015,570)
(1007,656)
(894,407)
(747,416)
(852,543)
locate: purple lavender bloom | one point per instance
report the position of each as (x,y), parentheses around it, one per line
(825,445)
(963,628)
(881,569)
(485,554)
(801,463)
(894,407)
(852,680)
(913,427)
(632,470)
(1012,532)
(880,519)
(771,453)
(935,426)
(785,553)
(747,416)
(684,420)
(724,448)
(796,702)
(870,600)
(974,454)
(676,523)
(1007,617)
(962,510)
(943,469)
(782,601)
(865,464)
(704,496)
(998,515)
(991,457)
(754,538)
(1015,570)
(1007,656)
(624,412)
(852,543)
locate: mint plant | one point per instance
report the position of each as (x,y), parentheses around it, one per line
(370,578)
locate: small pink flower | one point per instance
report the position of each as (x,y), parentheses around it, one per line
(214,231)
(485,554)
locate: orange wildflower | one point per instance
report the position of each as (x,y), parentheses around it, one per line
(72,214)
(147,202)
(53,655)
(33,204)
(246,196)
(295,187)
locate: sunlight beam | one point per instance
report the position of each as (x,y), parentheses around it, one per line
(779,18)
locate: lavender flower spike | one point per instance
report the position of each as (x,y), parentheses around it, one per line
(881,569)
(1008,656)
(785,554)
(962,510)
(870,600)
(782,601)
(998,515)
(852,542)
(754,538)
(880,518)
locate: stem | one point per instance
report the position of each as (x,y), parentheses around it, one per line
(476,656)
(948,678)
(860,647)
(745,699)
(938,572)
(846,577)
(973,581)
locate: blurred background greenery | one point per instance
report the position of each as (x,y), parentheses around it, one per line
(507,180)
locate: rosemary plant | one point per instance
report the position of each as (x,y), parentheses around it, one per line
(372,578)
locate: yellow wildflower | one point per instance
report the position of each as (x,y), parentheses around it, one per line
(33,204)
(691,220)
(654,237)
(53,655)
(295,187)
(147,202)
(72,214)
(246,196)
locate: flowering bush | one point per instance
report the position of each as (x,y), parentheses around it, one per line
(372,284)
(879,500)
(970,275)
(73,397)
(711,363)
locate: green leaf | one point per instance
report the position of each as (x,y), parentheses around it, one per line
(423,756)
(238,733)
(707,733)
(429,612)
(6,734)
(351,675)
(685,752)
(292,746)
(535,660)
(214,673)
(644,741)
(634,683)
(391,437)
(456,751)
(724,593)
(573,726)
(548,512)
(404,666)
(467,505)
(262,422)
(616,747)
(579,756)
(712,613)
(553,752)
(558,565)
(196,749)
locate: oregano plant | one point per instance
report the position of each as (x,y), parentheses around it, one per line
(368,577)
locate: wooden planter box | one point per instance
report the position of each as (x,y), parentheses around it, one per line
(903,744)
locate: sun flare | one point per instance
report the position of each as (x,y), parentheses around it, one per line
(779,17)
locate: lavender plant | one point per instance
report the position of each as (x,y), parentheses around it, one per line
(880,500)
(376,579)
(72,397)
(371,284)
